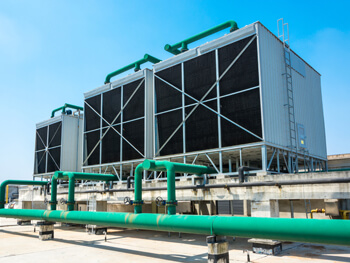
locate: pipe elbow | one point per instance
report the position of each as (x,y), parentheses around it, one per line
(71,176)
(139,169)
(108,79)
(170,168)
(56,176)
(233,25)
(5,183)
(167,47)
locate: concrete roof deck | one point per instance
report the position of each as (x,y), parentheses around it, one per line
(73,244)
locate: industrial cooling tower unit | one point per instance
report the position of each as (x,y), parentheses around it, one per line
(244,99)
(58,144)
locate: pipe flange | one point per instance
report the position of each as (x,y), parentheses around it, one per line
(70,203)
(137,202)
(53,202)
(171,203)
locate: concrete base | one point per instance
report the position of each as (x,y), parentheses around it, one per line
(266,246)
(46,230)
(217,249)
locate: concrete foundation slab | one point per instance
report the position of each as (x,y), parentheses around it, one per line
(72,244)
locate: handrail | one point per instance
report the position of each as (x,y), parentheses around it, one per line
(136,65)
(183,44)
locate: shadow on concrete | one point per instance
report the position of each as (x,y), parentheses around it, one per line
(94,244)
(193,239)
(317,252)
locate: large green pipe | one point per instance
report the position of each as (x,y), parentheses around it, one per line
(15,182)
(136,65)
(72,177)
(171,169)
(63,108)
(174,49)
(285,229)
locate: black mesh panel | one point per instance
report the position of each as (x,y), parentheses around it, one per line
(166,125)
(244,109)
(41,138)
(134,133)
(111,106)
(54,160)
(91,140)
(111,145)
(244,73)
(55,133)
(200,75)
(40,162)
(135,108)
(167,97)
(92,120)
(202,128)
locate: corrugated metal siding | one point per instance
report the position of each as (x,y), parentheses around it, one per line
(70,158)
(309,110)
(273,88)
(307,97)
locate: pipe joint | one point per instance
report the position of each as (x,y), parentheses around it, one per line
(171,203)
(137,202)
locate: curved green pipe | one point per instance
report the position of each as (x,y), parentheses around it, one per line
(136,65)
(285,229)
(15,182)
(171,169)
(174,49)
(72,177)
(63,108)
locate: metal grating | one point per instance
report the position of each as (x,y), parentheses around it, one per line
(210,101)
(114,124)
(48,148)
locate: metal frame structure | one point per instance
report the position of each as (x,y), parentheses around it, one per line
(265,156)
(64,132)
(46,146)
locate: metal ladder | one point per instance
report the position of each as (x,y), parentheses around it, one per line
(283,29)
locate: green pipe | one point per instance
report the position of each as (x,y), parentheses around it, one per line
(15,182)
(174,49)
(63,108)
(285,229)
(136,65)
(72,177)
(171,169)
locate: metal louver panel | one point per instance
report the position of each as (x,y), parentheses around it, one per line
(48,148)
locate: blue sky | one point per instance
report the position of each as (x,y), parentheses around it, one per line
(51,52)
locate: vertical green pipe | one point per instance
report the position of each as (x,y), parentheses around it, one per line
(138,189)
(171,199)
(53,202)
(71,190)
(171,169)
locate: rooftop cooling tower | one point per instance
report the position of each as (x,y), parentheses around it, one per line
(58,143)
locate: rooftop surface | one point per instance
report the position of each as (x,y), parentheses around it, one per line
(73,244)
